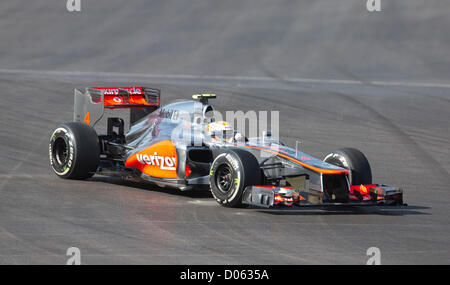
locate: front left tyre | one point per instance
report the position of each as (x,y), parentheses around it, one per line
(74,151)
(231,172)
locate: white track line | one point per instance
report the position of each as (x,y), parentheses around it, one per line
(125,76)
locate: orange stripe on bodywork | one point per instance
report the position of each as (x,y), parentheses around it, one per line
(320,170)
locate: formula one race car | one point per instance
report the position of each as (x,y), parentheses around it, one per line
(181,145)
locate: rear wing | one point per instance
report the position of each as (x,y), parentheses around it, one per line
(89,105)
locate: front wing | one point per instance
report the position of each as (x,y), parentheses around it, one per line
(363,195)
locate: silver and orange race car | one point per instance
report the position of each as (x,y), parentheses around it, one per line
(181,145)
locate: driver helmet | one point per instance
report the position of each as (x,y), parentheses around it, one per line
(221,131)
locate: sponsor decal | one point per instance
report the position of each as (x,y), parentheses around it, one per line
(115,90)
(56,165)
(111,91)
(164,162)
(158,160)
(232,161)
(115,98)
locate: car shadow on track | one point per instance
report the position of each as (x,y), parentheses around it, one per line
(349,210)
(308,210)
(194,193)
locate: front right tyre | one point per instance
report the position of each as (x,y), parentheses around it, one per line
(354,161)
(74,151)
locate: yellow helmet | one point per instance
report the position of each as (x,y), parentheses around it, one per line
(220,130)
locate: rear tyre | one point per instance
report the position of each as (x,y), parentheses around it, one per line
(74,151)
(231,172)
(353,160)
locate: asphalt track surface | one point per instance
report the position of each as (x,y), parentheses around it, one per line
(339,75)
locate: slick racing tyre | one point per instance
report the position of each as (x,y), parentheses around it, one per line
(230,173)
(74,151)
(353,160)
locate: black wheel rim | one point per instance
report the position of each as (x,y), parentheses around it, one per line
(60,152)
(224,178)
